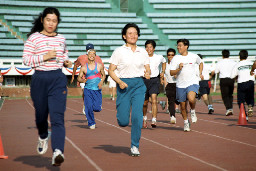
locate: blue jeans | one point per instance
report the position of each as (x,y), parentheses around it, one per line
(131,98)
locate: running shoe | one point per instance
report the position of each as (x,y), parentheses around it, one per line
(83,110)
(163,103)
(173,120)
(167,111)
(186,127)
(193,116)
(229,112)
(210,110)
(145,124)
(135,151)
(92,126)
(57,158)
(177,110)
(153,123)
(42,145)
(250,111)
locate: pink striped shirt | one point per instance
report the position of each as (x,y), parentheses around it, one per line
(38,45)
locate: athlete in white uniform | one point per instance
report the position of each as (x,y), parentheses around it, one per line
(184,66)
(152,84)
(245,82)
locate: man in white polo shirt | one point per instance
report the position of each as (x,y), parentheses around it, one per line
(184,66)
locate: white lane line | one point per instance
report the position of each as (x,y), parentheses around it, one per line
(77,148)
(84,155)
(169,148)
(227,139)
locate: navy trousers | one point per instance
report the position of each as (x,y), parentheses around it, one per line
(245,93)
(49,95)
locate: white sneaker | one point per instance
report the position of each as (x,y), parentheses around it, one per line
(229,112)
(250,111)
(173,120)
(57,158)
(42,145)
(92,126)
(83,110)
(135,151)
(186,127)
(193,116)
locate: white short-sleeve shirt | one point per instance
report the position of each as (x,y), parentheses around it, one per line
(242,69)
(155,62)
(129,64)
(169,78)
(188,74)
(207,69)
(225,67)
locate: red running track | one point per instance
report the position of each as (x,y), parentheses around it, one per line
(216,142)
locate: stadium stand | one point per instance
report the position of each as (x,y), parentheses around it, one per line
(100,26)
(211,25)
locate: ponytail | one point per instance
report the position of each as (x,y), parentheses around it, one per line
(38,25)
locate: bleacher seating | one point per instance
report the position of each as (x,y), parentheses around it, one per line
(101,27)
(210,25)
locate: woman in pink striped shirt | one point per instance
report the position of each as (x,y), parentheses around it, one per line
(45,51)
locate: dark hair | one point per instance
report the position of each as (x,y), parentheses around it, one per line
(152,42)
(201,56)
(225,53)
(184,41)
(124,30)
(38,25)
(171,50)
(243,54)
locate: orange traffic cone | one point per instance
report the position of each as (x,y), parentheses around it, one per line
(242,117)
(2,156)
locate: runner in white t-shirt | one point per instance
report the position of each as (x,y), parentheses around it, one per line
(152,84)
(170,88)
(224,67)
(245,82)
(112,87)
(205,86)
(184,66)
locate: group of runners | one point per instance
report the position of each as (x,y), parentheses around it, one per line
(136,73)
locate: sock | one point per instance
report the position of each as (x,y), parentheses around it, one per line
(145,118)
(186,121)
(192,111)
(153,119)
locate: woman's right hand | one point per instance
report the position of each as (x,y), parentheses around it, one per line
(123,85)
(50,54)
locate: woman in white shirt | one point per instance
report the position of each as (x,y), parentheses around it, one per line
(130,64)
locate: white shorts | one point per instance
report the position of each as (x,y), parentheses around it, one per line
(82,85)
(112,83)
